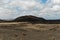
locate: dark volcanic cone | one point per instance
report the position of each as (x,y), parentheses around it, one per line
(32,19)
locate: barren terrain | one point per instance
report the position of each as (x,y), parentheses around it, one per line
(29,31)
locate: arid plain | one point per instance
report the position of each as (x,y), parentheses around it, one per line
(29,31)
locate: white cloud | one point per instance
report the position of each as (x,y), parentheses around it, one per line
(56,8)
(13,8)
(4,1)
(6,13)
(9,10)
(25,4)
(56,1)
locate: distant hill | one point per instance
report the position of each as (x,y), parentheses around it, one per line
(30,18)
(2,20)
(33,19)
(52,21)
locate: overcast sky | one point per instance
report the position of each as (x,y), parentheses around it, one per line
(48,9)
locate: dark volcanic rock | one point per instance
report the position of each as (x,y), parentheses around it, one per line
(32,19)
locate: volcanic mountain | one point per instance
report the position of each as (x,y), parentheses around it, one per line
(34,19)
(30,18)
